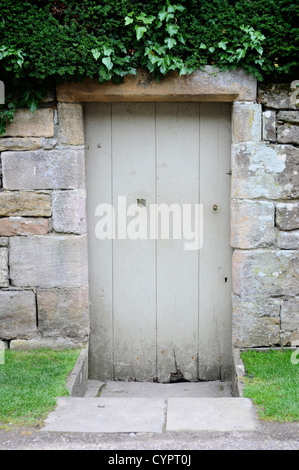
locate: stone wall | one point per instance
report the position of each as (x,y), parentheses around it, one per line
(43,234)
(265,221)
(43,239)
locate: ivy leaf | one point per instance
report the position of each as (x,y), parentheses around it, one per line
(211,49)
(153,58)
(181,39)
(107,50)
(145,19)
(96,53)
(151,67)
(33,104)
(149,19)
(163,67)
(128,20)
(162,15)
(183,70)
(179,7)
(172,29)
(140,30)
(159,49)
(260,50)
(222,44)
(169,16)
(240,54)
(170,8)
(170,42)
(108,62)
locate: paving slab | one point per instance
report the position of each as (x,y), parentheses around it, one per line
(138,407)
(211,414)
(107,415)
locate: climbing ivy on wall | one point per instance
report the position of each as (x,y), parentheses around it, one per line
(57,40)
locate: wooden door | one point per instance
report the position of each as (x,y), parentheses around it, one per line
(159,311)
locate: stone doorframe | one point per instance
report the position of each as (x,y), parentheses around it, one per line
(261,175)
(44,264)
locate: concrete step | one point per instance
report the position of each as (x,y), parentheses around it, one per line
(110,389)
(133,407)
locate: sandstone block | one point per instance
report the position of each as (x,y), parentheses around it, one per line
(69,211)
(43,169)
(276,96)
(25,204)
(50,95)
(17,314)
(255,322)
(3,241)
(265,272)
(51,261)
(48,144)
(19,143)
(246,122)
(287,216)
(28,124)
(70,123)
(4,267)
(288,134)
(252,224)
(261,170)
(23,226)
(289,338)
(269,125)
(290,314)
(290,322)
(201,85)
(288,240)
(63,312)
(288,116)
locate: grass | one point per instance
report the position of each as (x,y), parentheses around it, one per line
(30,381)
(272,383)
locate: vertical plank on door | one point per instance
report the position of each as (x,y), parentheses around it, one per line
(177,154)
(215,255)
(98,166)
(134,287)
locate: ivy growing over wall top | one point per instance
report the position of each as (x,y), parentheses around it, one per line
(57,40)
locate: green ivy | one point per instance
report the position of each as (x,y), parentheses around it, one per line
(158,35)
(44,41)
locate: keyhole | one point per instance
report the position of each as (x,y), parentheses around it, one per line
(141,202)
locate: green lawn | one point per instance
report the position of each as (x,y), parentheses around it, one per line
(29,383)
(272,382)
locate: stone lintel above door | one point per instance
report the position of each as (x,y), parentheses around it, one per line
(208,85)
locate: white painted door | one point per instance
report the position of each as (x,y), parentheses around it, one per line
(158,310)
